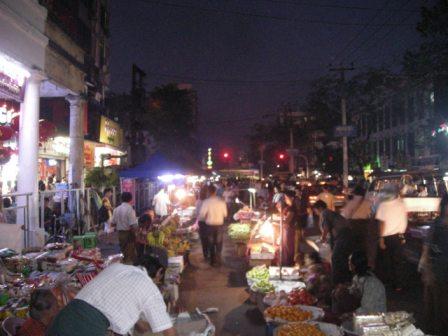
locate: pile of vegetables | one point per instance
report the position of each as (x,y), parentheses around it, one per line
(263,286)
(239,232)
(258,273)
(258,279)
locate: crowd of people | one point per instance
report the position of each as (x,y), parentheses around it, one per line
(366,239)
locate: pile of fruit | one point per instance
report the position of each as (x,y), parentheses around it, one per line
(176,246)
(301,296)
(239,232)
(299,329)
(164,238)
(286,313)
(156,238)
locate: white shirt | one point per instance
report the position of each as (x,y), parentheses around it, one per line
(123,293)
(160,202)
(393,214)
(213,211)
(124,217)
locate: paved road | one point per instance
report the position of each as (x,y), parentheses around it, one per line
(224,287)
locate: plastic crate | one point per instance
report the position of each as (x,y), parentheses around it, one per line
(90,240)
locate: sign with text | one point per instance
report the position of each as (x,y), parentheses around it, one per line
(110,132)
(345,131)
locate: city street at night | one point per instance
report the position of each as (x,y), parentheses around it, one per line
(223,168)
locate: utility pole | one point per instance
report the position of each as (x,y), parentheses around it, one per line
(342,71)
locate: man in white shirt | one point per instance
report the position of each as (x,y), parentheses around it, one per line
(126,222)
(161,203)
(214,212)
(392,215)
(117,299)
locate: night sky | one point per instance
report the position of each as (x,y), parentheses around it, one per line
(245,66)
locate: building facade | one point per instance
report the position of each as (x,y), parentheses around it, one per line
(54,75)
(400,135)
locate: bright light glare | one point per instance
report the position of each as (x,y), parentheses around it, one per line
(252,190)
(350,178)
(267,230)
(169,177)
(237,200)
(180,194)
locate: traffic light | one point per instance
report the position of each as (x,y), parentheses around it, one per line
(226,155)
(281,156)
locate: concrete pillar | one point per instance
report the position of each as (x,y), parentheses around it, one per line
(28,156)
(76,157)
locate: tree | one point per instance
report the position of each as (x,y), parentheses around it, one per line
(172,119)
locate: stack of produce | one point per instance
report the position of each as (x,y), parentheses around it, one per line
(287,313)
(239,232)
(302,297)
(164,238)
(258,279)
(299,329)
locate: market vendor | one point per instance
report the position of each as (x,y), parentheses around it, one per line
(144,227)
(341,241)
(365,295)
(43,308)
(115,299)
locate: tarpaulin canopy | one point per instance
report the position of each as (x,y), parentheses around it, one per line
(156,165)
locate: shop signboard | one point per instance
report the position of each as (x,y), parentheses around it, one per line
(89,155)
(128,185)
(12,79)
(345,131)
(110,132)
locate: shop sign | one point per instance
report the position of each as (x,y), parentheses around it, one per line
(61,145)
(89,155)
(110,132)
(12,79)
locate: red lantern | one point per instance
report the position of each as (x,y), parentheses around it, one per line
(6,133)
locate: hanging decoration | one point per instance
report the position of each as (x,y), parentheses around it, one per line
(6,133)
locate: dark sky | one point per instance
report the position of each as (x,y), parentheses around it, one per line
(246,65)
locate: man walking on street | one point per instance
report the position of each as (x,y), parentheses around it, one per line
(125,220)
(214,211)
(393,220)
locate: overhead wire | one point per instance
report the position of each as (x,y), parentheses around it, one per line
(369,38)
(361,31)
(333,6)
(255,15)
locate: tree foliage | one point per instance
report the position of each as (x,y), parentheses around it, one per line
(172,119)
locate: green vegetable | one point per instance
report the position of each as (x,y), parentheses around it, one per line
(263,286)
(258,273)
(239,232)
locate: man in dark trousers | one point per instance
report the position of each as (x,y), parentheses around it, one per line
(214,212)
(341,241)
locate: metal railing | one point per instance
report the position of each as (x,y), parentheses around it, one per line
(83,204)
(21,213)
